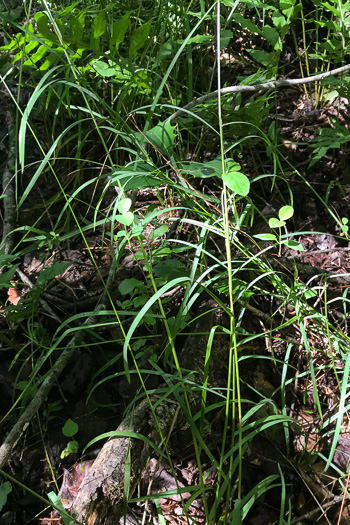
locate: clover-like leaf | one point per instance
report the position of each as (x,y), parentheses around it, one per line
(275,223)
(124,205)
(125,219)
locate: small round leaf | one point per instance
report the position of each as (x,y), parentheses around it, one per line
(286,212)
(125,219)
(70,428)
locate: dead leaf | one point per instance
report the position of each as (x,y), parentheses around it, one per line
(14,297)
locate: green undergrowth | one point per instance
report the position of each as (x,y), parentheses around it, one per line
(202,207)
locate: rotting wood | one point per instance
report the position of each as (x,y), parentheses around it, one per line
(101,495)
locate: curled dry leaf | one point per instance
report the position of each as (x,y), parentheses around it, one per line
(14,297)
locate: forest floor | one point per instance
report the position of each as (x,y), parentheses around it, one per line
(38,464)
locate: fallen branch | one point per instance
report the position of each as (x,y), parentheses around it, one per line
(101,497)
(8,188)
(272,84)
(46,386)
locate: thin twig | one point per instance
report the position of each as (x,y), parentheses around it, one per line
(311,513)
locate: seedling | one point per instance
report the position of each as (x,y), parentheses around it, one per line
(344,225)
(285,213)
(69,429)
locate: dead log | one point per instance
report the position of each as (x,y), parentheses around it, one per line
(101,495)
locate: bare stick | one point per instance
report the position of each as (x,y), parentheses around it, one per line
(273,84)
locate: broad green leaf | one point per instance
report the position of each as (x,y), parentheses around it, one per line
(278,20)
(29,47)
(165,50)
(309,294)
(51,59)
(262,57)
(225,37)
(212,168)
(140,300)
(266,236)
(138,181)
(286,212)
(49,273)
(71,448)
(162,251)
(124,205)
(158,232)
(118,32)
(137,230)
(5,489)
(290,8)
(237,182)
(246,23)
(77,27)
(69,9)
(204,170)
(294,245)
(162,136)
(6,259)
(42,25)
(170,269)
(99,25)
(6,277)
(129,285)
(70,428)
(276,223)
(138,39)
(38,55)
(103,69)
(137,175)
(149,318)
(271,35)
